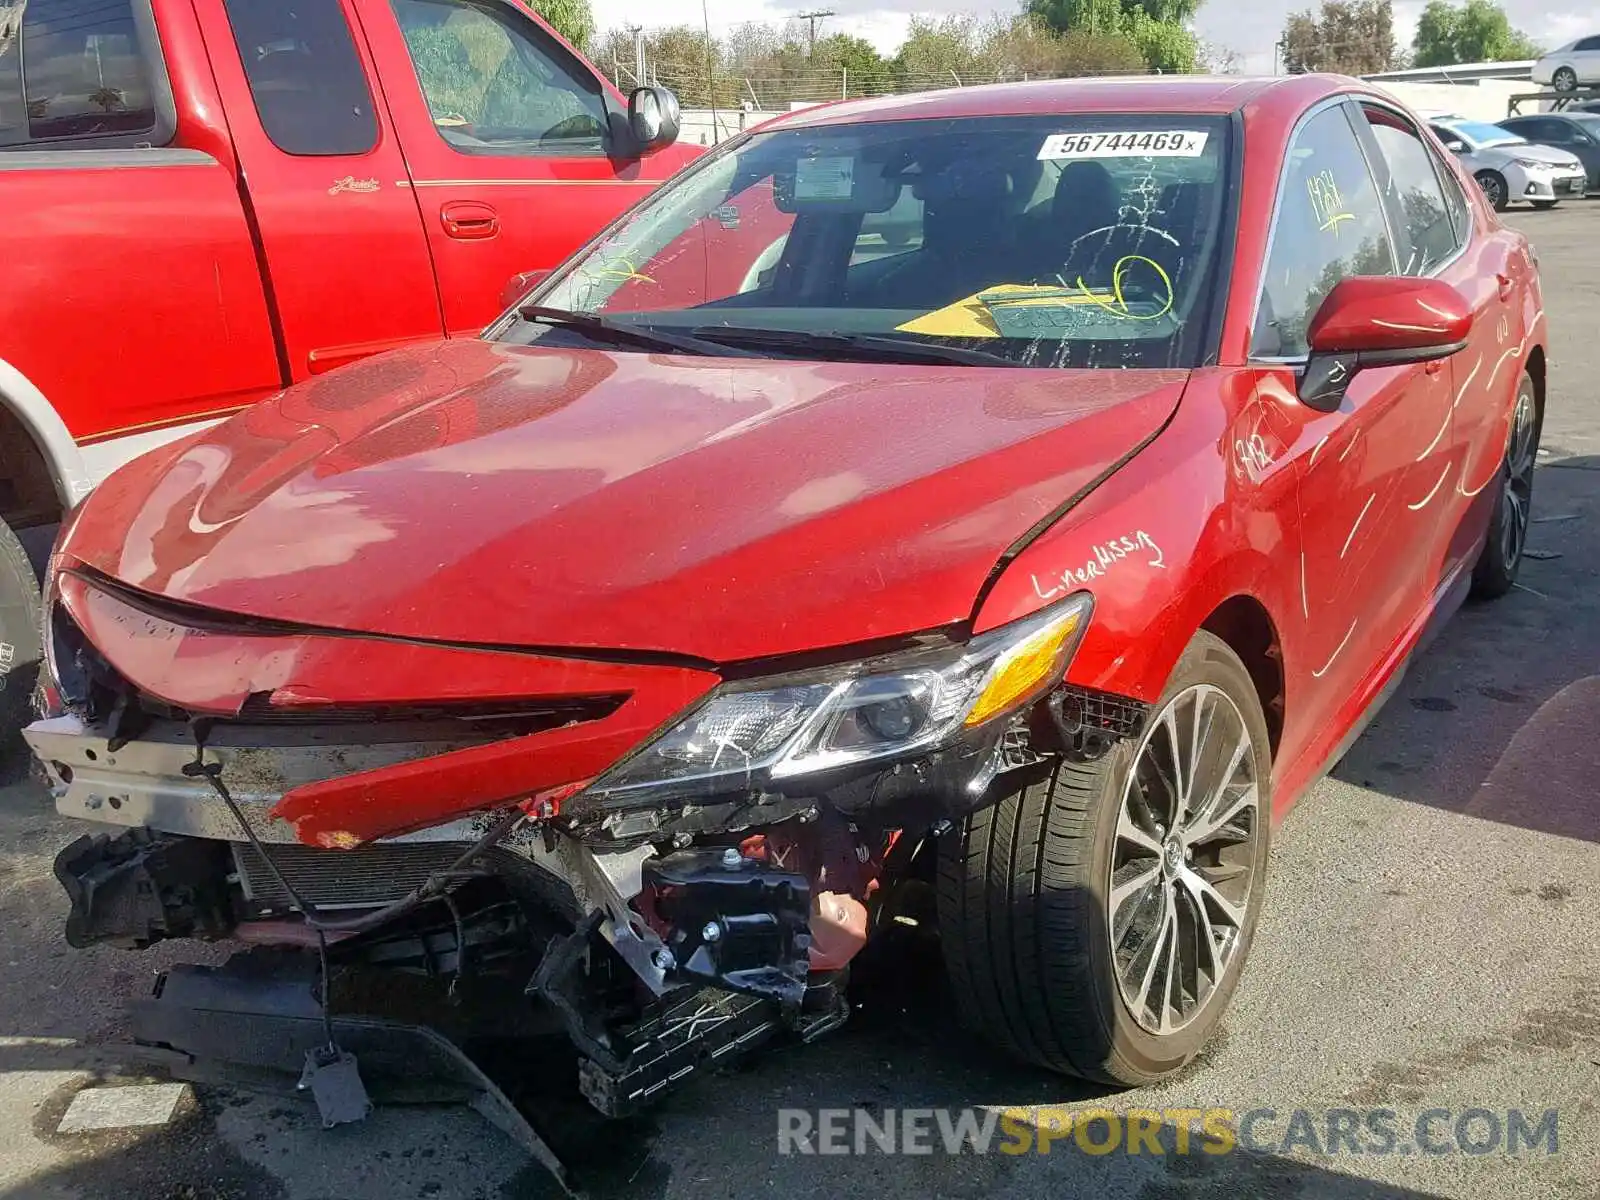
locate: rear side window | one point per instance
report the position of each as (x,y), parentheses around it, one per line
(71,69)
(309,86)
(1422,221)
(498,86)
(1540,130)
(1330,224)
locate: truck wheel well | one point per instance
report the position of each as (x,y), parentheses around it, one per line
(1247,627)
(27,491)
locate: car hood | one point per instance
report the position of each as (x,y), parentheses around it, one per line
(719,508)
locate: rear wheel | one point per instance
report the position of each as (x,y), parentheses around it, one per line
(1565,80)
(1494,189)
(1495,572)
(1096,919)
(19,649)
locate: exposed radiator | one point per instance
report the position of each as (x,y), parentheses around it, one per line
(362,878)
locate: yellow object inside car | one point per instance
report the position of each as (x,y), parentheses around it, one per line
(969,317)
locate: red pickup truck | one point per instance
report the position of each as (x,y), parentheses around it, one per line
(202,201)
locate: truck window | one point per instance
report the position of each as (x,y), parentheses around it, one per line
(308,84)
(498,86)
(71,69)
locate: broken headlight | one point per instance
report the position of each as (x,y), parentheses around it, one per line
(759,732)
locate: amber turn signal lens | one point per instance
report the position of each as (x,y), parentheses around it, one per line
(1030,667)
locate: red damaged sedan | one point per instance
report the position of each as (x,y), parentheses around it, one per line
(1016,496)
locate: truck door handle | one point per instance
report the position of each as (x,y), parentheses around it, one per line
(469,220)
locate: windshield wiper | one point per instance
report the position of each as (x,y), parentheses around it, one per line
(618,333)
(864,346)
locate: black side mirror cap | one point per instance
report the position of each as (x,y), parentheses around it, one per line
(654,118)
(1327,374)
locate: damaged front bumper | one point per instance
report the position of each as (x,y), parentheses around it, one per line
(670,866)
(713,946)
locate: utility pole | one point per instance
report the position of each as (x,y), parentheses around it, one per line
(638,54)
(811,18)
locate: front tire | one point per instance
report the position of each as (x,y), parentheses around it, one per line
(19,650)
(1494,188)
(1076,912)
(1495,572)
(1565,80)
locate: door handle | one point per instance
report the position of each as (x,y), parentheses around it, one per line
(469,220)
(1435,366)
(1505,286)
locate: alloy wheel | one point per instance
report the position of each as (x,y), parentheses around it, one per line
(1516,498)
(1493,190)
(1182,865)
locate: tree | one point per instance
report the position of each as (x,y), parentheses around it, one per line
(1025,46)
(1166,45)
(855,60)
(943,50)
(572,19)
(1350,37)
(1110,16)
(1477,31)
(1159,28)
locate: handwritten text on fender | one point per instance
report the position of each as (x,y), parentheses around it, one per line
(1106,555)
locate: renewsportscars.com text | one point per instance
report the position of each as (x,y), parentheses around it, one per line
(1047,1129)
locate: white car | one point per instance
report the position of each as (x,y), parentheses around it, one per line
(1509,167)
(1575,65)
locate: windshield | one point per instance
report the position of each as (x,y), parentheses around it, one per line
(1481,133)
(1087,240)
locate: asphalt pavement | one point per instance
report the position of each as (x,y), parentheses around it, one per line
(1430,941)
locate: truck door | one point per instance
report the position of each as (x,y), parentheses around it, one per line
(129,293)
(507,132)
(345,256)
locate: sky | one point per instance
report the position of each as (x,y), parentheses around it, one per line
(1247,27)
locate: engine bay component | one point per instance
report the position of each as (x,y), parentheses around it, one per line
(736,922)
(1088,723)
(138,887)
(703,1028)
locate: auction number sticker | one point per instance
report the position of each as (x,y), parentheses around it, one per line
(824,178)
(1167,143)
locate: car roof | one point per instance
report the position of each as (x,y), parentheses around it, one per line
(1198,94)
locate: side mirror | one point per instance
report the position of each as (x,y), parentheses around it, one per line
(1456,146)
(653,118)
(1379,321)
(519,286)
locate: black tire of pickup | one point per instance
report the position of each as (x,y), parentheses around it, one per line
(19,651)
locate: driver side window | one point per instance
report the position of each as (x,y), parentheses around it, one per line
(1330,225)
(493,87)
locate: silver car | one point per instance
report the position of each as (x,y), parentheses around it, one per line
(1575,65)
(1510,168)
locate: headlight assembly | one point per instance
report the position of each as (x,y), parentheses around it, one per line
(769,732)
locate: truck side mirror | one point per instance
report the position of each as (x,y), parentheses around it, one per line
(653,118)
